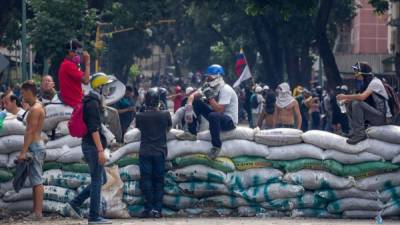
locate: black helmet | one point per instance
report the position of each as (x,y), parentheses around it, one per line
(152,98)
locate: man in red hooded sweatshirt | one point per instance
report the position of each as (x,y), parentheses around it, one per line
(70,75)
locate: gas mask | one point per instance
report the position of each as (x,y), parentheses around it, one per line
(76,59)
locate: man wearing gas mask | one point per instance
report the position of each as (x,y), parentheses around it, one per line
(70,75)
(370,104)
(218,103)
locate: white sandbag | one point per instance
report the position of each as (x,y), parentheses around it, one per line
(12,127)
(327,140)
(265,193)
(346,158)
(133,135)
(62,129)
(59,194)
(67,140)
(384,149)
(203,189)
(3,160)
(225,201)
(389,194)
(65,179)
(198,173)
(359,214)
(132,199)
(11,143)
(179,148)
(347,204)
(253,177)
(315,179)
(379,182)
(279,137)
(392,209)
(110,137)
(132,188)
(129,173)
(234,148)
(11,159)
(396,159)
(179,202)
(388,133)
(22,195)
(67,154)
(252,211)
(239,133)
(6,186)
(315,213)
(347,193)
(308,200)
(112,192)
(296,151)
(124,150)
(56,113)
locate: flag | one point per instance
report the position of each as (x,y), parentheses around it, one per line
(241,69)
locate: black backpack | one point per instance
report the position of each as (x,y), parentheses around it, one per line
(393,102)
(254,101)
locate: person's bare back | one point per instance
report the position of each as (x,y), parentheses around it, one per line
(34,121)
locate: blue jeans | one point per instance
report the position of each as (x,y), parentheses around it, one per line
(152,171)
(218,121)
(98,178)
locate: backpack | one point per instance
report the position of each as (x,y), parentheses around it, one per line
(254,101)
(270,100)
(76,125)
(394,104)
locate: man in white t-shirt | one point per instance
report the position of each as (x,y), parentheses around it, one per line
(13,105)
(220,106)
(370,105)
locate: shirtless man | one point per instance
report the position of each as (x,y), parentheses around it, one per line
(287,110)
(34,146)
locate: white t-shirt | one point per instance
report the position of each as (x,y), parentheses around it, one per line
(228,98)
(376,86)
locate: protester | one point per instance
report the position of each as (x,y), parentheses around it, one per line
(47,91)
(93,145)
(220,106)
(287,113)
(315,112)
(153,125)
(13,105)
(257,104)
(247,103)
(177,97)
(369,106)
(304,101)
(34,146)
(126,109)
(267,114)
(70,75)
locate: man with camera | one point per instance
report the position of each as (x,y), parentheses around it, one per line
(218,103)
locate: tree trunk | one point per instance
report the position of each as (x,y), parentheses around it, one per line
(305,66)
(292,64)
(330,67)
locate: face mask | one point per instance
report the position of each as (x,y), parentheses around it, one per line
(76,59)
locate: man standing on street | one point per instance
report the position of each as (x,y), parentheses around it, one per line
(34,146)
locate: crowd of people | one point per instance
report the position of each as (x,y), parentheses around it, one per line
(215,103)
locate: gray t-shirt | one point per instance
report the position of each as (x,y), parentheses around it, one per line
(228,98)
(377,87)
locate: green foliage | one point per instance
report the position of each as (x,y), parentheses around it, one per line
(134,71)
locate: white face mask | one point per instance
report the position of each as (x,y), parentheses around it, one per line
(218,81)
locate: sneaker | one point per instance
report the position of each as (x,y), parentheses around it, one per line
(186,136)
(355,139)
(74,212)
(99,220)
(214,152)
(156,214)
(34,217)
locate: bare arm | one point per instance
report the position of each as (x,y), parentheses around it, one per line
(275,117)
(215,106)
(86,59)
(31,129)
(261,119)
(298,115)
(97,141)
(356,97)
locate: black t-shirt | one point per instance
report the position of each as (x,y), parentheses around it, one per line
(153,126)
(93,117)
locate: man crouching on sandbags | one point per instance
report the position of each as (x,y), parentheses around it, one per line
(153,125)
(34,148)
(371,104)
(220,108)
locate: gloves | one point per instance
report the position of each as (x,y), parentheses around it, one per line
(208,92)
(189,114)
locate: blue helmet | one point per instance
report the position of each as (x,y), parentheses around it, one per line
(215,69)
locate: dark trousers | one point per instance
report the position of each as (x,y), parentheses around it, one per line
(152,171)
(315,120)
(359,112)
(98,178)
(218,121)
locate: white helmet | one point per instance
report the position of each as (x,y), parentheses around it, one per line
(189,90)
(266,88)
